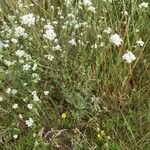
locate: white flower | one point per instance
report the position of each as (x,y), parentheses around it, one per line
(20,4)
(30,106)
(58,47)
(143,5)
(102,44)
(6,45)
(15,136)
(34,67)
(9,63)
(20,116)
(46,92)
(56,40)
(108,30)
(34,93)
(29,122)
(28,19)
(49,33)
(34,134)
(99,36)
(92,9)
(140,43)
(14,91)
(8,91)
(14,40)
(126,13)
(129,57)
(26,67)
(20,53)
(21,61)
(137,30)
(49,57)
(27,56)
(15,106)
(55,22)
(1,98)
(48,26)
(73,42)
(67,2)
(87,2)
(6,41)
(36,98)
(25,84)
(1,44)
(76,26)
(20,31)
(116,39)
(94,46)
(36,77)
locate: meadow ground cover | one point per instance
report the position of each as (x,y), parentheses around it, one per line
(74,75)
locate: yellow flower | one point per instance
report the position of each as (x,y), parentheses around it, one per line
(99,136)
(64,115)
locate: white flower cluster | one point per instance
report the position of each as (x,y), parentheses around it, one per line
(28,20)
(20,31)
(57,48)
(26,67)
(30,106)
(46,93)
(30,64)
(49,33)
(1,98)
(108,30)
(115,38)
(14,40)
(11,91)
(49,57)
(87,2)
(20,53)
(36,77)
(34,66)
(15,106)
(29,122)
(35,96)
(140,43)
(73,42)
(1,44)
(129,57)
(89,6)
(67,2)
(15,136)
(143,5)
(9,63)
(71,21)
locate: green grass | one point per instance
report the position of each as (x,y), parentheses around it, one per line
(105,99)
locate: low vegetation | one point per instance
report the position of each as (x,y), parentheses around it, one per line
(74,75)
